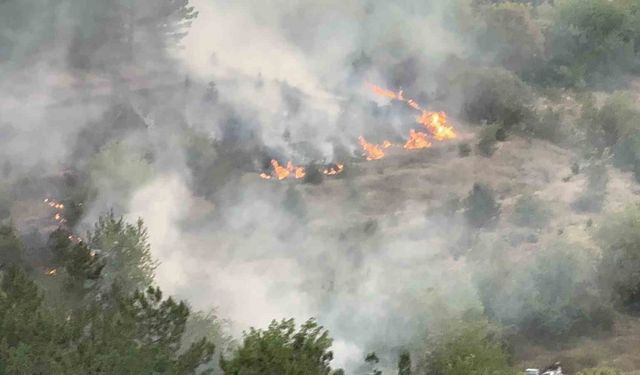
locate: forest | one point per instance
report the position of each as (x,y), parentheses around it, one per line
(319,187)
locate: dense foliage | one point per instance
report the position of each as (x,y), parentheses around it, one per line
(282,349)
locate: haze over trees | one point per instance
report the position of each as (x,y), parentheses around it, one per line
(175,174)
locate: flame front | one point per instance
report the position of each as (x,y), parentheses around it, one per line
(386,93)
(417,140)
(436,123)
(281,172)
(373,151)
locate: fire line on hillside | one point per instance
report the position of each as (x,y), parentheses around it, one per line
(435,124)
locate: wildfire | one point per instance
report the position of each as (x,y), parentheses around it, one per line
(373,151)
(436,123)
(333,170)
(386,93)
(417,140)
(59,210)
(281,172)
(54,204)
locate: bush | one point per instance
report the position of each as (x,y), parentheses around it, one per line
(11,248)
(591,42)
(281,349)
(5,203)
(495,95)
(464,150)
(547,124)
(619,238)
(553,297)
(614,122)
(488,138)
(511,35)
(481,208)
(530,211)
(468,348)
(592,197)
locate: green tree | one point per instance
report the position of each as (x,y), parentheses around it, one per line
(118,170)
(281,350)
(530,211)
(554,296)
(469,348)
(591,41)
(481,207)
(110,34)
(139,334)
(619,238)
(512,35)
(10,246)
(126,252)
(404,364)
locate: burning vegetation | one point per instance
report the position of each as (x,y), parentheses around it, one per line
(435,123)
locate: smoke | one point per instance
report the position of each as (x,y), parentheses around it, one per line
(270,251)
(292,73)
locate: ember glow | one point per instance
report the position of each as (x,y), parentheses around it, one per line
(58,215)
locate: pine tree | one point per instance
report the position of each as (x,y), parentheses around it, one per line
(404,364)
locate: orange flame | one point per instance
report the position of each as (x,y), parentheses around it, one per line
(334,170)
(386,93)
(373,151)
(436,123)
(417,140)
(281,172)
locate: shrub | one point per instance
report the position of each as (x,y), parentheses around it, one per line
(464,150)
(495,95)
(511,35)
(619,238)
(488,138)
(592,197)
(591,41)
(616,120)
(547,124)
(552,297)
(5,203)
(468,348)
(530,211)
(11,248)
(282,349)
(481,208)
